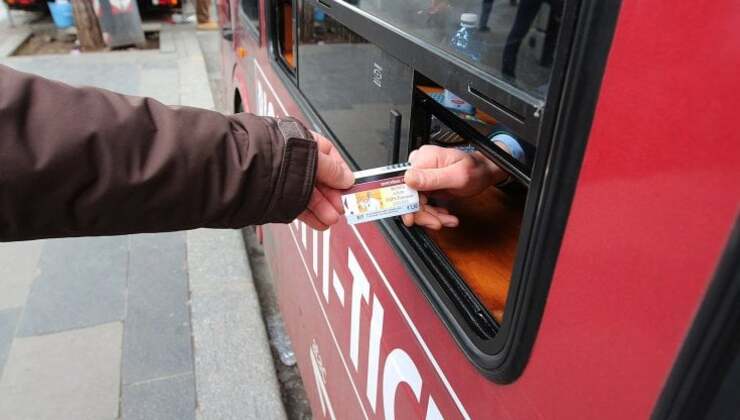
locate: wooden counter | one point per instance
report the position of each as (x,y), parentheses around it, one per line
(483,247)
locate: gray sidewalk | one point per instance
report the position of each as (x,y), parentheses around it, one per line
(156,326)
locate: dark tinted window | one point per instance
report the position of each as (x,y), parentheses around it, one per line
(513,40)
(354,86)
(725,404)
(251,12)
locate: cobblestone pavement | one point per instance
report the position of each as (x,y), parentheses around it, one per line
(156,326)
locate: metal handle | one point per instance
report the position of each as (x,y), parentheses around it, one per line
(396,119)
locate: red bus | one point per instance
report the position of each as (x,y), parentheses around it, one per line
(603,283)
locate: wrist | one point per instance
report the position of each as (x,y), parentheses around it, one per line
(493,174)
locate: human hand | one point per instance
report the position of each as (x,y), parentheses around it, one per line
(332,175)
(447,172)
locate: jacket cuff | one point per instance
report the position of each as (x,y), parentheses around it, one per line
(297,173)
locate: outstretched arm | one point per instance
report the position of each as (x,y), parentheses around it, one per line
(85,161)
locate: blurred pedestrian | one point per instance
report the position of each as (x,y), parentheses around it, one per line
(203,14)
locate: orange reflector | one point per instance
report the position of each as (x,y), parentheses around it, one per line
(241,52)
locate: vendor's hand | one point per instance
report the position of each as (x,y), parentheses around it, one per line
(332,175)
(450,172)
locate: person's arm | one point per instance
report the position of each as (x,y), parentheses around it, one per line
(84,161)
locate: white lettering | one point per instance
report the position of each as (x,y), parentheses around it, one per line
(398,368)
(338,288)
(373,358)
(325,265)
(360,289)
(315,250)
(303,235)
(377,75)
(320,377)
(433,411)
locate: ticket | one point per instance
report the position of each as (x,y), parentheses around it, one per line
(379,193)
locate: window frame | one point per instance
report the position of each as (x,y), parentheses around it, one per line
(274,49)
(709,349)
(564,122)
(253,30)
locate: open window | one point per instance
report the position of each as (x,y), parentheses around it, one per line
(474,262)
(284,34)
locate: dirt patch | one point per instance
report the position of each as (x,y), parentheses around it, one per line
(47,44)
(55,41)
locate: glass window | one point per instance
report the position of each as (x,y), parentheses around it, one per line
(251,12)
(725,404)
(354,86)
(512,39)
(284,26)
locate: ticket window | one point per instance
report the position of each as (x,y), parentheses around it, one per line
(284,33)
(479,255)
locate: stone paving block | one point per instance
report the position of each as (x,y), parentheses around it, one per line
(157,340)
(82,283)
(217,260)
(18,268)
(11,40)
(166,42)
(71,375)
(234,369)
(170,398)
(160,84)
(8,322)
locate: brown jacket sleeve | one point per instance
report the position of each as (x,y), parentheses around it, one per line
(86,161)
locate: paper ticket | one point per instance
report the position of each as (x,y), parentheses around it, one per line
(379,193)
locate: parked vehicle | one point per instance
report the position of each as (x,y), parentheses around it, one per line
(145,6)
(30,5)
(603,285)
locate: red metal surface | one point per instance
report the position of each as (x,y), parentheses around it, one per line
(657,193)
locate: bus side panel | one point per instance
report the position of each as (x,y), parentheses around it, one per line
(656,198)
(316,352)
(374,328)
(635,258)
(417,370)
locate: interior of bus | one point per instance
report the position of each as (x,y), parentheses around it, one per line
(404,108)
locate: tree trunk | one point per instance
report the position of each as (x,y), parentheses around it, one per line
(88,27)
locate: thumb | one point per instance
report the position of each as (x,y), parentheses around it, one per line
(422,179)
(450,177)
(333,173)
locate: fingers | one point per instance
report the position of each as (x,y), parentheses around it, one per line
(455,176)
(436,168)
(324,144)
(334,197)
(310,219)
(333,173)
(331,169)
(430,217)
(445,218)
(324,211)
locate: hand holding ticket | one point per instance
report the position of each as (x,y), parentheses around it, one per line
(379,193)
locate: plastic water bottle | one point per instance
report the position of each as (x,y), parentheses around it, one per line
(463,41)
